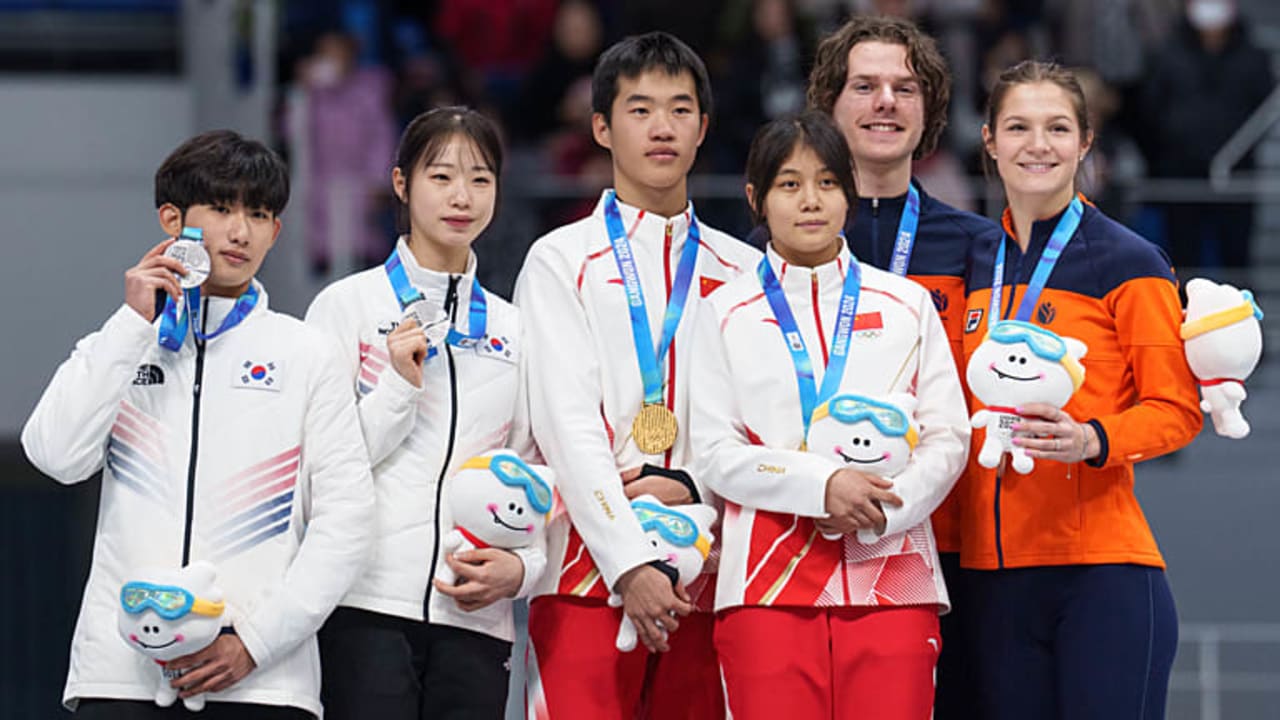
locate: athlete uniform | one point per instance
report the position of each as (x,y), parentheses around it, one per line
(394,642)
(585,389)
(796,610)
(239,450)
(1074,565)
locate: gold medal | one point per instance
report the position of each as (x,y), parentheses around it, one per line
(654,429)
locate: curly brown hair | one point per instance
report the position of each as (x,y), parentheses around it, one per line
(831,69)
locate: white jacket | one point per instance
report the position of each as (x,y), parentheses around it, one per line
(278,477)
(418,437)
(584,380)
(747,431)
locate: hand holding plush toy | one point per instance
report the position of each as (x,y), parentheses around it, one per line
(170,613)
(1019,363)
(497,501)
(1223,342)
(682,534)
(870,435)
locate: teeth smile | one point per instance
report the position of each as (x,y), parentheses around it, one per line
(880,127)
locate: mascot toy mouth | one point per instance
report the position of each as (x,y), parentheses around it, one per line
(851,459)
(498,521)
(155,647)
(1007,376)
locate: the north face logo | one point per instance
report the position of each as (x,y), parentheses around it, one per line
(939,299)
(1045,313)
(149,375)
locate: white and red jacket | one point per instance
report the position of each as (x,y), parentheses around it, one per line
(584,381)
(243,451)
(418,437)
(747,430)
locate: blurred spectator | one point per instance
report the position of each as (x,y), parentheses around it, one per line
(1203,85)
(766,76)
(351,137)
(572,152)
(577,38)
(1114,160)
(428,76)
(498,39)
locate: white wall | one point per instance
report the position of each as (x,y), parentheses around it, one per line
(77,159)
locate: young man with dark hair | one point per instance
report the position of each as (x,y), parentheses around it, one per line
(602,384)
(886,85)
(225,433)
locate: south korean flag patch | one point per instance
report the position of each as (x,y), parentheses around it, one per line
(497,346)
(257,375)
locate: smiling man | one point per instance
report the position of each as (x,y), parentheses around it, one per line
(225,432)
(887,87)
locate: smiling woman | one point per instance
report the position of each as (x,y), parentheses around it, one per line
(1080,278)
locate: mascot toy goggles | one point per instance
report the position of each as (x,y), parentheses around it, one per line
(1223,318)
(888,419)
(1045,344)
(169,602)
(675,527)
(513,472)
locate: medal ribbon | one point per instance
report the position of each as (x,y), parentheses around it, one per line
(1062,233)
(906,241)
(650,361)
(174,322)
(407,294)
(811,398)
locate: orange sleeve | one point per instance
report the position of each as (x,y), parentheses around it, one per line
(1166,415)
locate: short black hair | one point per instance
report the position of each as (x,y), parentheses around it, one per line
(637,54)
(428,134)
(775,142)
(222,166)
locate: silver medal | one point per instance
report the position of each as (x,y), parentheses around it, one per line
(194,258)
(431,318)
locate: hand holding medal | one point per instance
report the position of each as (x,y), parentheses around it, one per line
(156,274)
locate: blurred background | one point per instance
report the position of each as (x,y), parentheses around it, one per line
(94,94)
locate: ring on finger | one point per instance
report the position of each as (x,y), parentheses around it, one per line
(1057,444)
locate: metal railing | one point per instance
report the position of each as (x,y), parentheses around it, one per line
(1208,678)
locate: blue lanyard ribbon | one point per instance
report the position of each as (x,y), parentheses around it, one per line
(1062,234)
(407,294)
(810,398)
(906,239)
(174,324)
(650,371)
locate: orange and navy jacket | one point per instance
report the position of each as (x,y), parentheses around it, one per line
(938,262)
(1115,291)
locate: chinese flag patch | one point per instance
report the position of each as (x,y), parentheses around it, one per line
(707,285)
(867,321)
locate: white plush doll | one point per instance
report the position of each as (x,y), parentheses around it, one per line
(1223,339)
(1019,363)
(870,435)
(682,534)
(166,614)
(498,501)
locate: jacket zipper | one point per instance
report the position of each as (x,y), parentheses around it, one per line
(1008,309)
(875,232)
(451,306)
(822,342)
(195,440)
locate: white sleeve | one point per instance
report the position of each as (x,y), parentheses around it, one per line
(534,559)
(939,458)
(785,481)
(565,397)
(339,522)
(66,435)
(388,412)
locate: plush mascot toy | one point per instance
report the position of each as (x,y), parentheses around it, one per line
(166,614)
(682,535)
(498,501)
(870,435)
(1019,363)
(1223,336)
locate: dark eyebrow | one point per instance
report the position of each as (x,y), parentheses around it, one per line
(638,98)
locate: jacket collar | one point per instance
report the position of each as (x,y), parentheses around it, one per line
(796,279)
(434,285)
(216,307)
(644,227)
